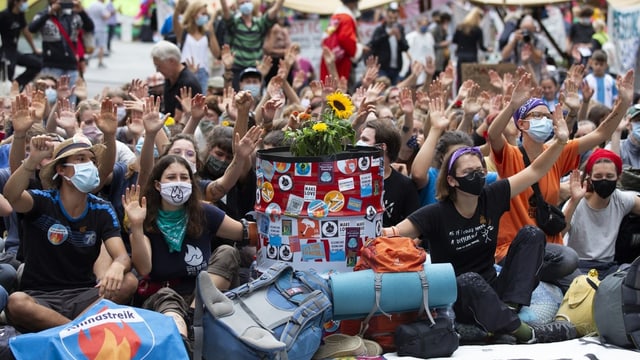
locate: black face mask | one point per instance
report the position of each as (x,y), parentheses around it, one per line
(472,183)
(215,168)
(604,188)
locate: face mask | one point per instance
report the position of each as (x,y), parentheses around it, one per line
(24,7)
(540,129)
(413,142)
(361,143)
(121,113)
(635,130)
(246,8)
(192,165)
(423,29)
(85,177)
(604,188)
(586,21)
(202,20)
(51,94)
(254,89)
(216,167)
(175,193)
(472,183)
(93,133)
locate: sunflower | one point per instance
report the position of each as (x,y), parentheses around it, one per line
(341,105)
(320,127)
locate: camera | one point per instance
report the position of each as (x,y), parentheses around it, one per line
(526,36)
(66,4)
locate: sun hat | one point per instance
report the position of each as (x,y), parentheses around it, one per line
(65,149)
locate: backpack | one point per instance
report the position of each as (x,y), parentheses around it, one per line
(280,315)
(391,254)
(577,304)
(616,307)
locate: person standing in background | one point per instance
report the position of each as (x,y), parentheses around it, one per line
(388,43)
(99,14)
(112,24)
(12,23)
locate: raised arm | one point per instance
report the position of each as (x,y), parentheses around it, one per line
(578,190)
(152,125)
(273,11)
(424,158)
(107,122)
(136,210)
(610,123)
(520,95)
(22,120)
(226,12)
(543,163)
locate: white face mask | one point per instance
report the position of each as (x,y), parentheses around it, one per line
(361,143)
(192,165)
(175,193)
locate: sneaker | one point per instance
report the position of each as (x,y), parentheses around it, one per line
(471,334)
(102,66)
(553,332)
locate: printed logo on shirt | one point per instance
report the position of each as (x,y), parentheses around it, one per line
(57,234)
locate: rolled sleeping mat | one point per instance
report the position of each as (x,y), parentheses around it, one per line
(354,294)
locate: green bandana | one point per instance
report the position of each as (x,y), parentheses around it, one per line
(173,225)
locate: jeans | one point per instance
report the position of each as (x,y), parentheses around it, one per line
(559,261)
(203,79)
(31,62)
(603,268)
(57,73)
(485,303)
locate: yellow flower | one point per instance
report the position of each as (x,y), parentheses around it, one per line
(169,121)
(341,105)
(226,123)
(319,127)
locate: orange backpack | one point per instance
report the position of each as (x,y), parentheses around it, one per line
(391,254)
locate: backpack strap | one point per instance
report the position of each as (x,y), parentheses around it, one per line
(215,302)
(267,278)
(317,302)
(425,296)
(376,306)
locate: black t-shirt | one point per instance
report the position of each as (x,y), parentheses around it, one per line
(10,27)
(59,251)
(192,258)
(186,78)
(468,244)
(400,198)
(581,33)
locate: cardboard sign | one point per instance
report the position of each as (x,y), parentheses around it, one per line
(480,73)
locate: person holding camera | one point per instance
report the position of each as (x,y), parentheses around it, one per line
(59,26)
(525,48)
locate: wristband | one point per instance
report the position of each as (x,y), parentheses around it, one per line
(249,233)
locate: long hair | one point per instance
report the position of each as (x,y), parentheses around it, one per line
(190,16)
(472,20)
(193,206)
(446,142)
(444,191)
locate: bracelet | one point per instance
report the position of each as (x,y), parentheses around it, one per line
(20,137)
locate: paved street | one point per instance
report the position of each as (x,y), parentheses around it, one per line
(128,60)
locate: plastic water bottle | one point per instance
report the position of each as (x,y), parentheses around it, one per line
(445,312)
(253,270)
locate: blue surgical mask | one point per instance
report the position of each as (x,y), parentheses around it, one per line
(254,89)
(24,7)
(540,129)
(246,8)
(635,130)
(202,20)
(51,94)
(121,113)
(85,177)
(423,29)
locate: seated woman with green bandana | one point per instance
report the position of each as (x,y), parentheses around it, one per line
(172,234)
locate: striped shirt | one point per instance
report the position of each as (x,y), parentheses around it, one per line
(246,42)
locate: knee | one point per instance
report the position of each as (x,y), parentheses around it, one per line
(468,280)
(127,289)
(18,305)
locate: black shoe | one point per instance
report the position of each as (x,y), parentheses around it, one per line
(471,334)
(507,339)
(553,332)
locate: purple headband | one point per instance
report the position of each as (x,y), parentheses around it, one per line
(524,109)
(462,151)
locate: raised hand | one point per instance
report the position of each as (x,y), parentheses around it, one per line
(265,65)
(571,97)
(446,77)
(329,85)
(471,104)
(299,79)
(64,90)
(417,68)
(198,107)
(22,116)
(243,148)
(495,80)
(577,188)
(41,147)
(107,122)
(485,101)
(243,102)
(66,118)
(437,117)
(430,66)
(406,100)
(138,89)
(274,88)
(316,88)
(185,99)
(559,124)
(192,65)
(227,56)
(374,91)
(134,205)
(422,100)
(342,84)
(625,87)
(436,90)
(371,72)
(151,115)
(269,109)
(587,91)
(522,91)
(227,102)
(81,88)
(15,89)
(38,104)
(465,88)
(496,104)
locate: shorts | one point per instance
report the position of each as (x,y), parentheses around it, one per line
(68,302)
(100,38)
(225,262)
(167,299)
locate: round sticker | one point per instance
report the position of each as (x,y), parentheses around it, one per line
(364,163)
(348,166)
(285,253)
(273,211)
(317,209)
(329,229)
(303,168)
(57,234)
(378,228)
(282,167)
(334,200)
(258,197)
(272,252)
(353,243)
(267,192)
(285,183)
(371,213)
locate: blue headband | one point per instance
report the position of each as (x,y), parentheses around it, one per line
(526,107)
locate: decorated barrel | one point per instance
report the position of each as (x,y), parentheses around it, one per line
(316,212)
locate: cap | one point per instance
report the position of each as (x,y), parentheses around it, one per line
(250,71)
(634,111)
(216,82)
(598,154)
(393,6)
(155,80)
(65,149)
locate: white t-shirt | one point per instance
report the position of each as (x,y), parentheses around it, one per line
(97,12)
(593,232)
(198,50)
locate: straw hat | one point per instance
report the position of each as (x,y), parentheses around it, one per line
(65,149)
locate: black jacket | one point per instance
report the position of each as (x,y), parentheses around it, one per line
(380,47)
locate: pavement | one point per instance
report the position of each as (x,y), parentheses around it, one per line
(127,61)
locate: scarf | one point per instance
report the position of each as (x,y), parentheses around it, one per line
(173,225)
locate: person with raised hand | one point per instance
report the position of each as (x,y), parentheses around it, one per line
(462,229)
(531,116)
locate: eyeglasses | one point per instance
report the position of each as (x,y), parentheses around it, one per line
(538,115)
(463,151)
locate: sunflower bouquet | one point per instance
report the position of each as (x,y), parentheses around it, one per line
(327,135)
